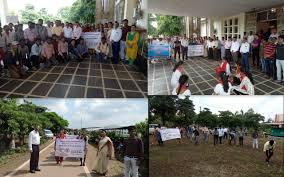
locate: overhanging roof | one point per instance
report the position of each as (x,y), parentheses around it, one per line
(208,8)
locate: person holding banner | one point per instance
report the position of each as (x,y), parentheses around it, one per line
(84,137)
(105,152)
(58,159)
(115,37)
(132,39)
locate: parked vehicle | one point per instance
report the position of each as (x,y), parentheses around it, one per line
(48,133)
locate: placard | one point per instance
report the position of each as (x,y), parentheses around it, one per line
(92,39)
(158,51)
(170,133)
(195,50)
(70,147)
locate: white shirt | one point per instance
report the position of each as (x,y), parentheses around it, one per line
(228,44)
(228,72)
(68,31)
(273,35)
(33,139)
(184,42)
(115,34)
(49,31)
(221,132)
(77,32)
(244,47)
(36,50)
(183,95)
(235,46)
(215,43)
(210,44)
(250,38)
(225,130)
(175,77)
(219,90)
(245,87)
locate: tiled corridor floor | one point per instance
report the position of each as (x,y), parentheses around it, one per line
(88,79)
(202,78)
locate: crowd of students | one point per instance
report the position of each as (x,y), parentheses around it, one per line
(220,135)
(43,46)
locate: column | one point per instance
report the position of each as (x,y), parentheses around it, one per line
(129,10)
(189,26)
(3,12)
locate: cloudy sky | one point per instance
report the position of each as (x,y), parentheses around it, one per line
(97,112)
(52,6)
(265,105)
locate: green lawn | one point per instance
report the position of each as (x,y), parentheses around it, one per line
(205,160)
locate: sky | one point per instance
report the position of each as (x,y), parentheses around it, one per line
(268,106)
(102,113)
(52,6)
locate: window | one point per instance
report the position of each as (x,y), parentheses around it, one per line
(231,27)
(119,10)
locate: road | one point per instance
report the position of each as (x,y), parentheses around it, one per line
(70,166)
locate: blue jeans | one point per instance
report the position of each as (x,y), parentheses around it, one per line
(115,51)
(101,57)
(245,61)
(268,67)
(280,69)
(122,50)
(262,61)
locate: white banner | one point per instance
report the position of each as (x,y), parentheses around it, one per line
(70,147)
(195,50)
(170,133)
(92,39)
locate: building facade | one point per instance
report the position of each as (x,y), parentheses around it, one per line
(117,10)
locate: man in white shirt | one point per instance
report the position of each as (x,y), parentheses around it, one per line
(49,28)
(228,44)
(225,133)
(235,50)
(115,37)
(184,46)
(68,31)
(34,142)
(250,39)
(77,32)
(245,48)
(215,48)
(221,134)
(273,33)
(210,48)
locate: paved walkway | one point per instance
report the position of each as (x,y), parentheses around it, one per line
(70,167)
(202,78)
(88,79)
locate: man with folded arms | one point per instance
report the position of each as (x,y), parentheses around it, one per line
(34,142)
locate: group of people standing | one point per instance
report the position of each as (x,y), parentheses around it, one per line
(132,150)
(120,43)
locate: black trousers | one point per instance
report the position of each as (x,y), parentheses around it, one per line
(269,154)
(184,52)
(215,140)
(210,53)
(220,139)
(225,135)
(228,55)
(255,56)
(241,141)
(35,61)
(34,157)
(177,51)
(81,159)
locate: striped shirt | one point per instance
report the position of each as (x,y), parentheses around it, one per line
(269,50)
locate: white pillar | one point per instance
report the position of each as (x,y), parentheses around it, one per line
(3,12)
(129,10)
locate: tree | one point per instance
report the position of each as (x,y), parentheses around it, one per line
(225,117)
(29,14)
(82,11)
(207,118)
(170,25)
(162,107)
(252,119)
(64,13)
(151,29)
(185,111)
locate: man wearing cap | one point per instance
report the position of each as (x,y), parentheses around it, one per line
(133,152)
(34,142)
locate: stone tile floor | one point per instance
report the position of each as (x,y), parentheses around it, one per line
(88,79)
(202,78)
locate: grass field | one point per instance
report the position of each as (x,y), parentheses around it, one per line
(205,160)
